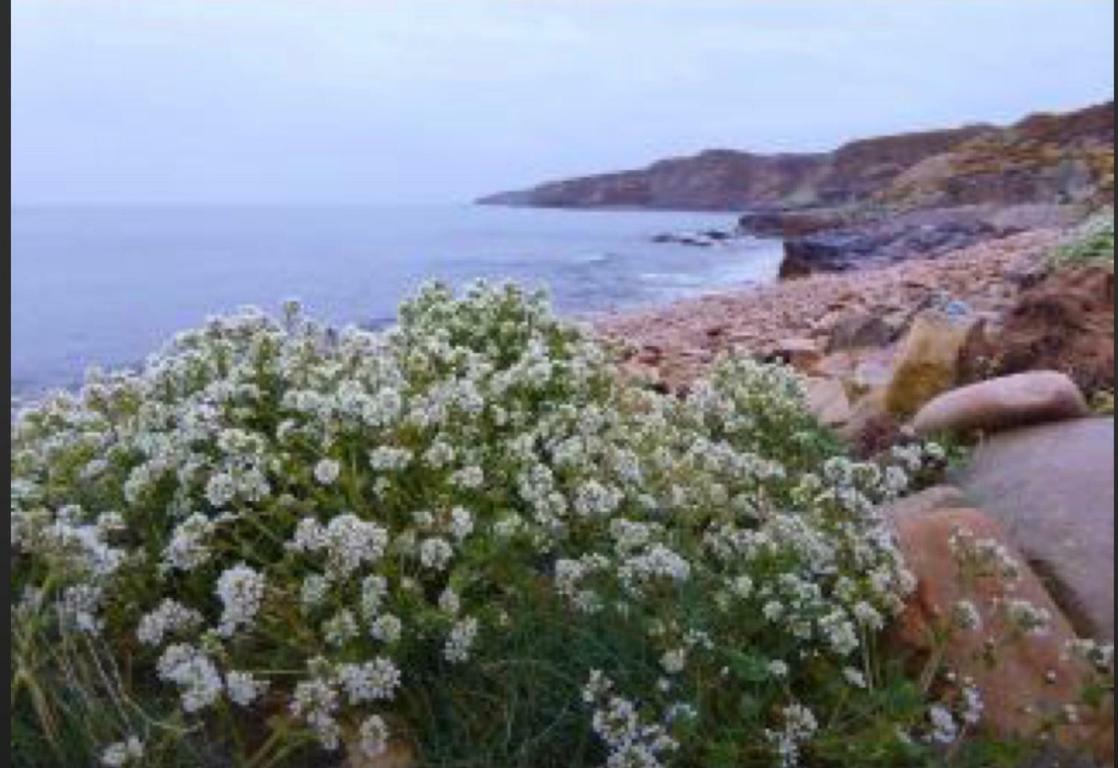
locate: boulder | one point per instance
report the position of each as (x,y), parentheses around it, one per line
(827,399)
(1052,487)
(927,361)
(1007,401)
(1028,678)
(859,329)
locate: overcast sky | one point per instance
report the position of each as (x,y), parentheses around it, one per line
(414,101)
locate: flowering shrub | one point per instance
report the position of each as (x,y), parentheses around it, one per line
(465,537)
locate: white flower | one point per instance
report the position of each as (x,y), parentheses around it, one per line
(195,674)
(435,553)
(241,590)
(674,661)
(965,615)
(854,677)
(461,523)
(243,688)
(189,544)
(373,735)
(170,617)
(220,490)
(123,753)
(1027,617)
(386,628)
(316,700)
(313,591)
(372,681)
(944,729)
(79,606)
(469,478)
(461,639)
(351,543)
(340,628)
(972,703)
(449,601)
(777,668)
(326,471)
(374,588)
(388,459)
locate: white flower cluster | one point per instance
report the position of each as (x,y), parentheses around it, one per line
(243,688)
(375,497)
(617,722)
(194,672)
(461,640)
(799,725)
(349,542)
(171,617)
(241,590)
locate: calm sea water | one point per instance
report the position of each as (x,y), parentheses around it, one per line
(106,286)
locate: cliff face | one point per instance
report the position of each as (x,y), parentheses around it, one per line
(1044,158)
(1065,158)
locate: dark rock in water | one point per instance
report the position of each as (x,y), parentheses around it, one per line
(1052,487)
(717,234)
(703,239)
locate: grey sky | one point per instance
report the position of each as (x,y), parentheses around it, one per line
(409,100)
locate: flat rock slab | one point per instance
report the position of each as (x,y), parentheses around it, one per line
(1052,487)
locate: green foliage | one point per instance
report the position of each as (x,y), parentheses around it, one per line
(1093,245)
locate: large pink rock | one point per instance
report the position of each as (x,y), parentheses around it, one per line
(1052,487)
(1007,401)
(1029,678)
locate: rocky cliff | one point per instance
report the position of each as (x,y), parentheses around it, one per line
(1043,158)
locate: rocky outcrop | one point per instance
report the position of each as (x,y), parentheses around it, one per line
(924,233)
(1003,402)
(1052,487)
(1063,321)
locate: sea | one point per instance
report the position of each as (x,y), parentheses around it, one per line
(105,286)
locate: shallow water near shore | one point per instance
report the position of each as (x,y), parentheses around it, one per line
(107,285)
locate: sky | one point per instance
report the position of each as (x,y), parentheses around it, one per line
(416,101)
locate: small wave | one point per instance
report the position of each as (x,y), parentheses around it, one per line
(671,278)
(592,258)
